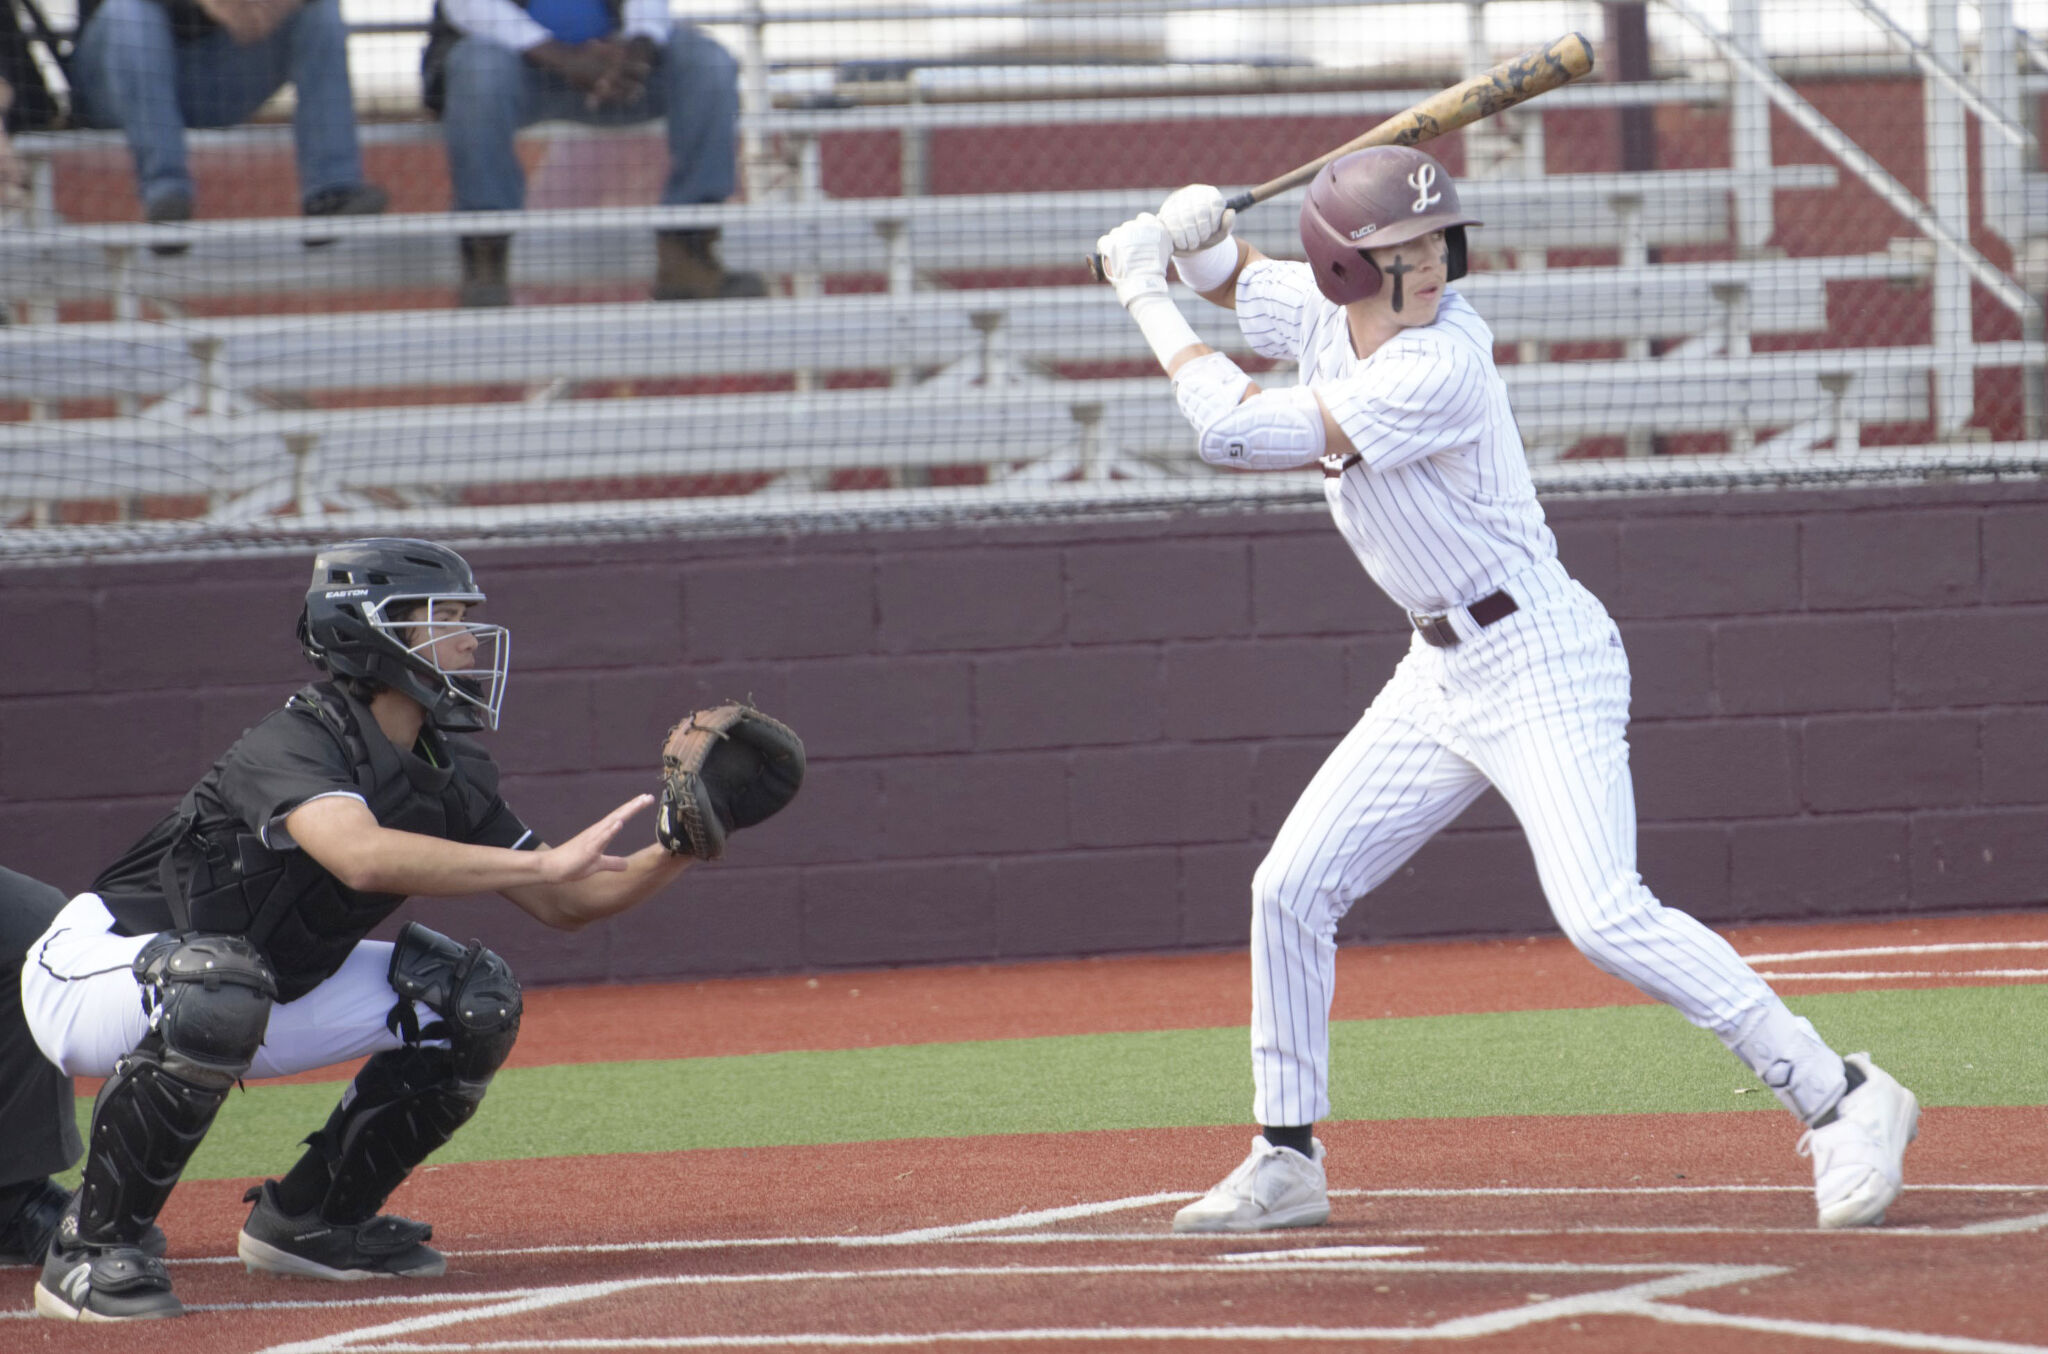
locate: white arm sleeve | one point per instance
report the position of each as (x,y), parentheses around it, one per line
(498,21)
(1273,430)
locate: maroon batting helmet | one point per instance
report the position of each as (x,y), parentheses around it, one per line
(1370,199)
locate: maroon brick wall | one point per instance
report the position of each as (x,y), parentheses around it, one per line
(1063,739)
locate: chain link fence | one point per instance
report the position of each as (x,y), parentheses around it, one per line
(1758,245)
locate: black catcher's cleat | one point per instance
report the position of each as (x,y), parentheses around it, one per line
(103,1283)
(308,1247)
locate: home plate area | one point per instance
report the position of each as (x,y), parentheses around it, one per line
(1694,1268)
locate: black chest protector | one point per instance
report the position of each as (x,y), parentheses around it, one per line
(224,879)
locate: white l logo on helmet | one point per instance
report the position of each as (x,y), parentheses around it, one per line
(1421,180)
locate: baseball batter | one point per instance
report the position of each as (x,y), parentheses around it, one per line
(230,941)
(1515,676)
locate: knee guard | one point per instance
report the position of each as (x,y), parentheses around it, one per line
(406,1103)
(469,987)
(209,1001)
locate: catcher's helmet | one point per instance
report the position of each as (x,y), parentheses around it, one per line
(1369,199)
(370,615)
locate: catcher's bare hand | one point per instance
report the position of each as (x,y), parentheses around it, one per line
(723,769)
(584,854)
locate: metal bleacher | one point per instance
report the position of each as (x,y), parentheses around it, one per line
(980,332)
(821,237)
(255,462)
(241,410)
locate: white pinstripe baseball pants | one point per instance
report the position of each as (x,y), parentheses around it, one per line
(1536,705)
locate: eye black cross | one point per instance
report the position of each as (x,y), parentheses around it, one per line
(1400,267)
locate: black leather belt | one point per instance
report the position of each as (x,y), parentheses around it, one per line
(1334,468)
(1438,632)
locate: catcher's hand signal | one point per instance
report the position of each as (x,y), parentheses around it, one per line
(723,769)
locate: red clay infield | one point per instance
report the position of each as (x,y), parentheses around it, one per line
(1608,1233)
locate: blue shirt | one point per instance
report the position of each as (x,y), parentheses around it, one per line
(572,21)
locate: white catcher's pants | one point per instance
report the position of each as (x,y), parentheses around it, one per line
(85,1010)
(1536,705)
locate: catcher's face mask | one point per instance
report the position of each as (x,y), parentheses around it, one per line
(436,637)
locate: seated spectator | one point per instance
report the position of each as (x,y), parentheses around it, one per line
(495,66)
(155,67)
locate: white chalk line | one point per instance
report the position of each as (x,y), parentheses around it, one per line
(1038,1218)
(1914,1232)
(988,1231)
(921,1236)
(1894,975)
(2005,1226)
(1673,1279)
(1321,1253)
(1642,1299)
(1232,1335)
(1537,1191)
(1887,951)
(1677,1314)
(1855,1235)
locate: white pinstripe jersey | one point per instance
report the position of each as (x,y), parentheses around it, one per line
(1441,511)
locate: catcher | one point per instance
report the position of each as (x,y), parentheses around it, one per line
(229,942)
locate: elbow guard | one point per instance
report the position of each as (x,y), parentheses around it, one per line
(1273,430)
(1208,388)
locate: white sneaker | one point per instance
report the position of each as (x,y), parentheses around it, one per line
(1858,1158)
(1273,1187)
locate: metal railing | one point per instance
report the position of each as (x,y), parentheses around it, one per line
(782,139)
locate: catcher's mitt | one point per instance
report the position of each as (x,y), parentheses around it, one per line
(723,769)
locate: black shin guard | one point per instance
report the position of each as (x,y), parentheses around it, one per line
(407,1102)
(146,1124)
(403,1105)
(209,1000)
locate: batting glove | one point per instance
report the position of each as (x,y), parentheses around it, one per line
(1134,258)
(1195,218)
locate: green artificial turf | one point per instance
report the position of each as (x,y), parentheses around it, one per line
(1953,1046)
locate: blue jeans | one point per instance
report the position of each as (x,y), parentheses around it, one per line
(493,92)
(130,73)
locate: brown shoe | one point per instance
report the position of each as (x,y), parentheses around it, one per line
(486,271)
(687,269)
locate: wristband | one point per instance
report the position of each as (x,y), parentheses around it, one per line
(1207,269)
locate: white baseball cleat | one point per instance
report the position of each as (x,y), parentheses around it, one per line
(1273,1187)
(1858,1157)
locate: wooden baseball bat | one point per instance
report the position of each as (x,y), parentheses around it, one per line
(1510,83)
